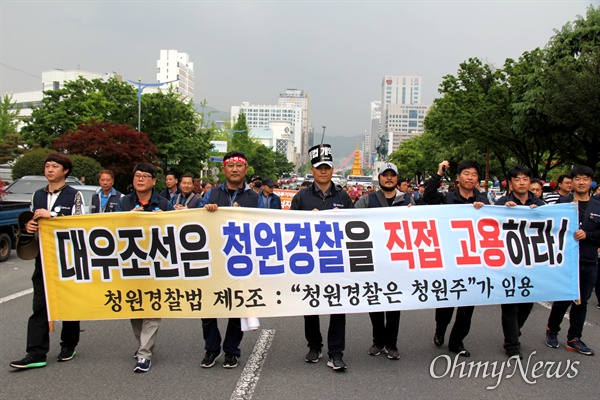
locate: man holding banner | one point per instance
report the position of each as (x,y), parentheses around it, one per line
(588,236)
(235,192)
(54,200)
(322,194)
(144,198)
(385,323)
(466,193)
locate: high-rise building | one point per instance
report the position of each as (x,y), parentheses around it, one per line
(297,98)
(402,113)
(176,68)
(372,134)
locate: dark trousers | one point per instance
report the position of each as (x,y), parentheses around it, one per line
(598,283)
(385,328)
(38,331)
(212,336)
(587,279)
(462,324)
(336,336)
(513,319)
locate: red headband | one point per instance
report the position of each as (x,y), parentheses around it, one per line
(234,159)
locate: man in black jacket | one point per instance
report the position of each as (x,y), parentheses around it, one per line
(233,193)
(466,193)
(588,236)
(107,197)
(514,315)
(54,200)
(385,324)
(322,194)
(144,198)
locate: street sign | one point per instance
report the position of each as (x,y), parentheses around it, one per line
(214,171)
(216,159)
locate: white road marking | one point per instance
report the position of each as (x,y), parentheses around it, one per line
(16,295)
(249,378)
(548,305)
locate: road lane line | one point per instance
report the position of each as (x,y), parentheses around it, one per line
(249,378)
(16,295)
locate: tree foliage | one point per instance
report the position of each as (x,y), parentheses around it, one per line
(85,167)
(32,163)
(114,146)
(79,102)
(542,110)
(11,145)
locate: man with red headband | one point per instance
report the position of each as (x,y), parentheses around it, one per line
(235,192)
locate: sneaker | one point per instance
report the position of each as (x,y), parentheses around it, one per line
(30,361)
(66,354)
(392,353)
(551,338)
(209,358)
(231,361)
(313,356)
(375,350)
(142,365)
(337,363)
(578,346)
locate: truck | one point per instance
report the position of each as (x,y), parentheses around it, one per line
(9,215)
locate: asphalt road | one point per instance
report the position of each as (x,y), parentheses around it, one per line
(103,367)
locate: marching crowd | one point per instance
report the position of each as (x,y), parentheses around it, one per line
(58,199)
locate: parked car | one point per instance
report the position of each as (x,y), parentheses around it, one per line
(88,192)
(9,214)
(23,188)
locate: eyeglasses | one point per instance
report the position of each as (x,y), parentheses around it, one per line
(143,177)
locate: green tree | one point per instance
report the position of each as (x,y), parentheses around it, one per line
(10,140)
(31,163)
(85,167)
(176,129)
(79,102)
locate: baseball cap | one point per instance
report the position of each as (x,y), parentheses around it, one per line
(388,167)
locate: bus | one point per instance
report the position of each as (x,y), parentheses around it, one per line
(359,180)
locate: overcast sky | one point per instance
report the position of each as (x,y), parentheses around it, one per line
(337,51)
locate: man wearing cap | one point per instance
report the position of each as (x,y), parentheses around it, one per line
(385,335)
(233,193)
(144,198)
(322,194)
(54,200)
(267,198)
(466,193)
(256,183)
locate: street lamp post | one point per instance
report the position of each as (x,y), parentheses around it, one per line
(141,87)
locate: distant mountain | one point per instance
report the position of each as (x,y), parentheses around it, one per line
(213,114)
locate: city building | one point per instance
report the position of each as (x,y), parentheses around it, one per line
(372,134)
(402,113)
(277,136)
(261,116)
(297,97)
(177,69)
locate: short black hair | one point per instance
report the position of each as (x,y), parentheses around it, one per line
(172,173)
(581,170)
(186,176)
(61,159)
(561,178)
(518,170)
(536,180)
(467,165)
(205,183)
(145,167)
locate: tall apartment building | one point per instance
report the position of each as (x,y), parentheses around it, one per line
(297,97)
(372,134)
(176,68)
(262,116)
(402,113)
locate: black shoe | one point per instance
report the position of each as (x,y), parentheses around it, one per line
(231,361)
(209,359)
(438,340)
(375,350)
(337,363)
(313,356)
(514,352)
(30,361)
(66,354)
(461,351)
(392,353)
